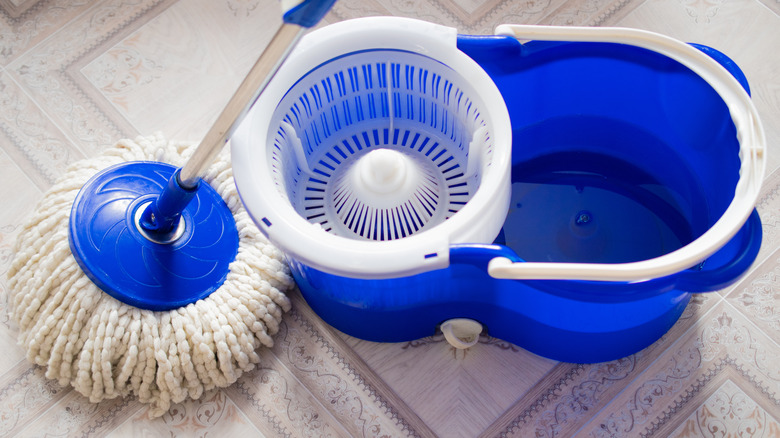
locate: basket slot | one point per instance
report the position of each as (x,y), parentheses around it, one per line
(342,110)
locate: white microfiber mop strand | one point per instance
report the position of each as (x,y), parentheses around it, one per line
(105,348)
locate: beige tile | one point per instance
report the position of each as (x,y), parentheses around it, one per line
(25,394)
(456,392)
(723,344)
(571,395)
(481,18)
(18,194)
(212,415)
(31,142)
(729,411)
(74,415)
(20,31)
(15,8)
(341,382)
(758,297)
(278,404)
(773,5)
(176,73)
(768,206)
(590,13)
(44,72)
(77,75)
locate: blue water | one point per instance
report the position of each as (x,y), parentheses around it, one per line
(599,191)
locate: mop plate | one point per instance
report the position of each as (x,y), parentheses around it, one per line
(155,271)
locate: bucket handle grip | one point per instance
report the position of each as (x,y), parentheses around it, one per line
(705,280)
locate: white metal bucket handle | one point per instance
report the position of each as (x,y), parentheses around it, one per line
(752,153)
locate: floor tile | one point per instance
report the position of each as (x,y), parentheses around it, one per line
(30,141)
(722,345)
(159,80)
(729,411)
(212,415)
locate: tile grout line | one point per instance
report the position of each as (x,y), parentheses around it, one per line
(754,267)
(30,372)
(51,36)
(4,73)
(32,183)
(506,422)
(764,5)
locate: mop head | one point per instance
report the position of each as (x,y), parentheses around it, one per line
(105,348)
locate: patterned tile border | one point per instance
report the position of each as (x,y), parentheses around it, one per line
(25,397)
(316,347)
(29,137)
(15,9)
(74,416)
(570,395)
(758,297)
(47,72)
(22,27)
(709,382)
(311,383)
(657,401)
(730,411)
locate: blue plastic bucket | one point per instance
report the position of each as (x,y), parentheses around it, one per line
(622,158)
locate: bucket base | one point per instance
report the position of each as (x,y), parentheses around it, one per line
(553,326)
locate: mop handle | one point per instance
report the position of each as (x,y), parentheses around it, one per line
(298,16)
(162,216)
(236,109)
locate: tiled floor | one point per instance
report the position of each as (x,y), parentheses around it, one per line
(77,75)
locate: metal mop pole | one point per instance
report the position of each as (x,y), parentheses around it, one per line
(159,222)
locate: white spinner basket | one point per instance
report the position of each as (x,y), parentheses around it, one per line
(374,149)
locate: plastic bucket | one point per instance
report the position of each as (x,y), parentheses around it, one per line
(635,166)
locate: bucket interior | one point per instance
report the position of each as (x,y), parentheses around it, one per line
(619,154)
(379,144)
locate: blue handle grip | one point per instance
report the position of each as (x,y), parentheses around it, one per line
(306,13)
(162,215)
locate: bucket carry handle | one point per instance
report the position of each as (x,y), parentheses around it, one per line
(752,154)
(706,279)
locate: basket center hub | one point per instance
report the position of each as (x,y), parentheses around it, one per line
(384,171)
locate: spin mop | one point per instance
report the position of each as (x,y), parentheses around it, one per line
(136,277)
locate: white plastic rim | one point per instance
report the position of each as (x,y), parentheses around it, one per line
(752,154)
(479,221)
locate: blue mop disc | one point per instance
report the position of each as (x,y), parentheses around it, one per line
(120,259)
